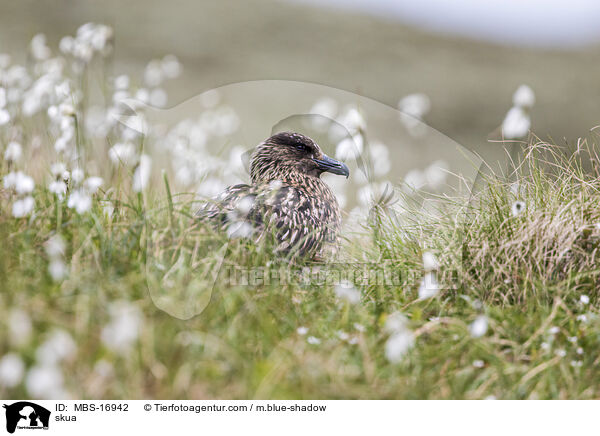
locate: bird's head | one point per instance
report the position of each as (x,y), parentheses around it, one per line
(287,154)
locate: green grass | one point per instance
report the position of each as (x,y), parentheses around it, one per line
(525,273)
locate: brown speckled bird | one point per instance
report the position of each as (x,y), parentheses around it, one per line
(287,198)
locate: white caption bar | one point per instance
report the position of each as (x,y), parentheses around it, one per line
(298,417)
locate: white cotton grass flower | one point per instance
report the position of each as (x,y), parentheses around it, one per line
(312,340)
(53,113)
(141,176)
(124,327)
(516,124)
(103,369)
(584,299)
(63,92)
(61,144)
(13,152)
(517,208)
(347,292)
(415,179)
(123,153)
(66,44)
(57,270)
(58,188)
(326,108)
(395,322)
(429,286)
(67,110)
(39,50)
(77,175)
(4,117)
(398,344)
(171,67)
(91,39)
(12,370)
(342,335)
(365,195)
(416,105)
(19,327)
(554,330)
(479,326)
(92,184)
(478,363)
(349,148)
(430,262)
(412,109)
(100,376)
(55,246)
(45,381)
(59,171)
(153,74)
(80,200)
(120,97)
(23,207)
(20,182)
(371,193)
(380,158)
(158,97)
(561,352)
(143,95)
(122,82)
(24,184)
(352,119)
(244,206)
(302,331)
(436,174)
(524,97)
(108,209)
(58,347)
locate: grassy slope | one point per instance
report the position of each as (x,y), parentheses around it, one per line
(526,273)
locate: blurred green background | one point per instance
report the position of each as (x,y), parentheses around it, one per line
(470,82)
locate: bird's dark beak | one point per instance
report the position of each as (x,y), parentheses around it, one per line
(327,164)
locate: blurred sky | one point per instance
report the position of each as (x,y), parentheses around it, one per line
(542,23)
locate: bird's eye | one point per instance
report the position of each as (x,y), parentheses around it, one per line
(303,148)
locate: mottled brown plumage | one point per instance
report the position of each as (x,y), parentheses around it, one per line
(287,198)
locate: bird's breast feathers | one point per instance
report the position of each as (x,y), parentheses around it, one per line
(301,216)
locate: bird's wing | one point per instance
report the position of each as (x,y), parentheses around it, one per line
(217,210)
(292,217)
(256,204)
